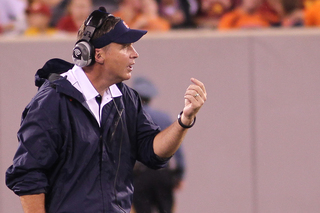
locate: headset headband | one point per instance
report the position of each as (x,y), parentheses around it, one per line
(93,22)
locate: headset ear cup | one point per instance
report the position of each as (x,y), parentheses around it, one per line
(83,53)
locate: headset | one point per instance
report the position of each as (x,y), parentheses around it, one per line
(83,51)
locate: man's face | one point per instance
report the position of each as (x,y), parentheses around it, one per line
(38,20)
(80,9)
(119,61)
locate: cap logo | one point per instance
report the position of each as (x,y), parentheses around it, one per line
(125,24)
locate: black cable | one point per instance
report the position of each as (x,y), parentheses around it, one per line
(119,157)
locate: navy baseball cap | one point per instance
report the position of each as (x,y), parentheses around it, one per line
(121,34)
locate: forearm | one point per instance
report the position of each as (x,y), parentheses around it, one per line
(167,142)
(33,203)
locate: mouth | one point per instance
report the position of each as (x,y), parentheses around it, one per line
(131,67)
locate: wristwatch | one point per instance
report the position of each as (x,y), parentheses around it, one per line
(183,125)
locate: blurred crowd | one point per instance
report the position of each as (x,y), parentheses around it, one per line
(58,17)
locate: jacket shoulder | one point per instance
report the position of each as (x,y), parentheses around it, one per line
(128,92)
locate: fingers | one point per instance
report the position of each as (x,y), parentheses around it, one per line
(199,83)
(196,91)
(195,97)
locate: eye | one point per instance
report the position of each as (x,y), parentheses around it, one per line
(126,45)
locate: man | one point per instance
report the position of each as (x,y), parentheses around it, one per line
(77,11)
(83,131)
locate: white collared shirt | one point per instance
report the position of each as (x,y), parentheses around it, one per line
(80,81)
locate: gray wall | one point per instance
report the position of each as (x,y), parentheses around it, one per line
(255,147)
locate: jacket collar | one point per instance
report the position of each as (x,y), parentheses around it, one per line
(63,86)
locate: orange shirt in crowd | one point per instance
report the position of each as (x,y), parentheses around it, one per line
(150,24)
(239,19)
(312,15)
(309,3)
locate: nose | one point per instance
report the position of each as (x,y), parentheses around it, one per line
(135,54)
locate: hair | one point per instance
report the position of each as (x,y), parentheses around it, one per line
(108,25)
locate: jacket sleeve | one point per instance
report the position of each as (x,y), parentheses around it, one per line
(36,152)
(146,131)
(141,129)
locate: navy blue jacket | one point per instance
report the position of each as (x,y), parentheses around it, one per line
(63,152)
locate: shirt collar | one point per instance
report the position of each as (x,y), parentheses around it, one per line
(79,79)
(87,88)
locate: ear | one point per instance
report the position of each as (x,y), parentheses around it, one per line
(99,56)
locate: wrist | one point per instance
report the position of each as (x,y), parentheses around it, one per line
(185,124)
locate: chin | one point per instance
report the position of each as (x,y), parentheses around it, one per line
(128,76)
(124,78)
